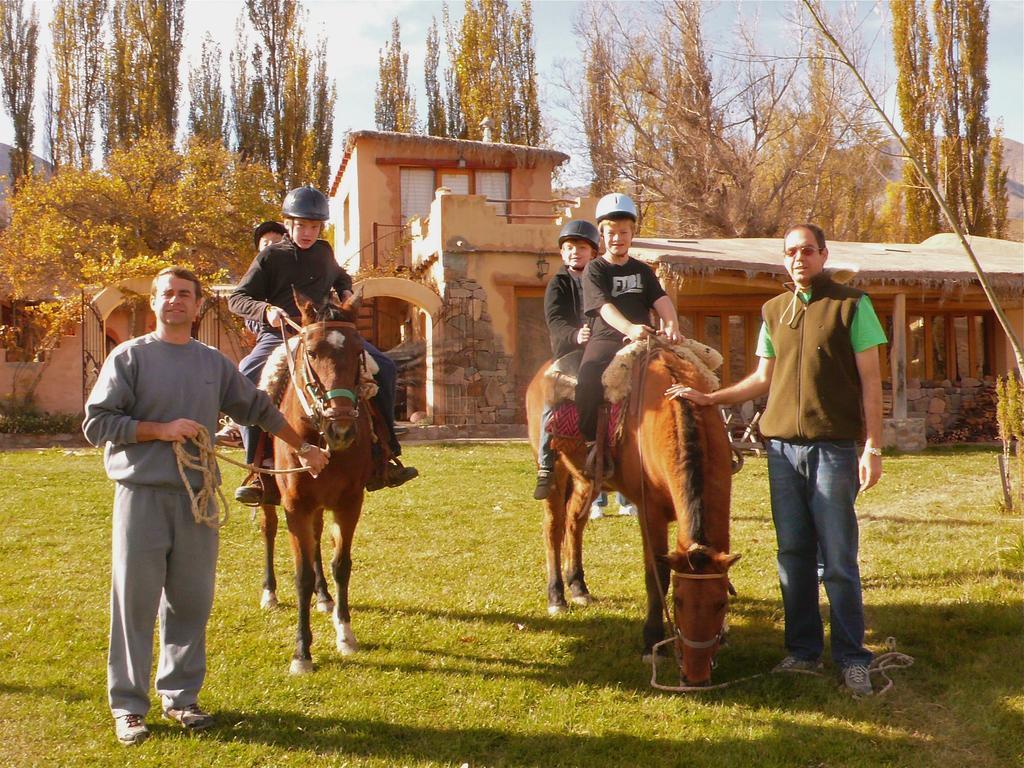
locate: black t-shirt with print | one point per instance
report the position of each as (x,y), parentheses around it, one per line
(631,288)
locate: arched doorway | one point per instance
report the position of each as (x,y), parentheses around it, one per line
(422,323)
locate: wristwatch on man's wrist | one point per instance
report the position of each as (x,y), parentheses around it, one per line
(873,451)
(303,449)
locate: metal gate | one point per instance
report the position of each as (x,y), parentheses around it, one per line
(94,346)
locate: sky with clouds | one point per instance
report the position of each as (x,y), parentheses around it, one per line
(356,30)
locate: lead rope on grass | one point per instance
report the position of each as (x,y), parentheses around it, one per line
(880,665)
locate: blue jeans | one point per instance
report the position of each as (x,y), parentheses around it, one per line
(813,489)
(545,455)
(251,366)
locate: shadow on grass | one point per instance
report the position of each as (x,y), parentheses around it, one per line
(398,743)
(59,692)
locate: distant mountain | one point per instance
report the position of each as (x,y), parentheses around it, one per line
(5,169)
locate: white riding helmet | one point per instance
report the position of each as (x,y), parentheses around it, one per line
(616,206)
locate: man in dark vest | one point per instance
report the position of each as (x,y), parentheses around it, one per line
(819,366)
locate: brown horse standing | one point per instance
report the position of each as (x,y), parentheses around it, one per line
(327,375)
(674,462)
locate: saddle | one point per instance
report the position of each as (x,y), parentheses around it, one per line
(563,423)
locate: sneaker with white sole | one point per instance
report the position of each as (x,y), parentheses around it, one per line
(857,680)
(191,718)
(795,664)
(596,512)
(627,510)
(131,729)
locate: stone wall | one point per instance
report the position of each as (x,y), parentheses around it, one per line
(942,403)
(476,373)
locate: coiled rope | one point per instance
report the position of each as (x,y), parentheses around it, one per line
(209,505)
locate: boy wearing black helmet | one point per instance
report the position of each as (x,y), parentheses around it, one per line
(619,294)
(568,327)
(301,260)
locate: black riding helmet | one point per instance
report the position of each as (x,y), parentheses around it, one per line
(579,229)
(267,226)
(306,203)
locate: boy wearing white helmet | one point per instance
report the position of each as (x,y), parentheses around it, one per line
(619,293)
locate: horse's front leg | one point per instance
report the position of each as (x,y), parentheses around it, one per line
(324,601)
(577,512)
(345,518)
(300,527)
(657,533)
(554,537)
(268,527)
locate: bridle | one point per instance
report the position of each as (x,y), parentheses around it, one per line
(314,398)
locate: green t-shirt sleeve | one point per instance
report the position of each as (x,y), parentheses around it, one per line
(865,331)
(764,346)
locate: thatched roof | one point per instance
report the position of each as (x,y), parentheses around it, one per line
(938,262)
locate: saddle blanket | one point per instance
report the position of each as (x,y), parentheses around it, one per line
(564,422)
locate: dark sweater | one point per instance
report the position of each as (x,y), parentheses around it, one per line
(815,392)
(280,267)
(563,310)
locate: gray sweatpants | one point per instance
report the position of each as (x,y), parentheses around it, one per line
(163,563)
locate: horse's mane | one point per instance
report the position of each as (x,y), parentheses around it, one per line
(689,447)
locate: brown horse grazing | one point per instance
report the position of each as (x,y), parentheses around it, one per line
(325,399)
(674,462)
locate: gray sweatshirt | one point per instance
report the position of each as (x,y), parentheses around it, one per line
(146,379)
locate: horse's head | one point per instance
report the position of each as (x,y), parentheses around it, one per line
(330,367)
(700,597)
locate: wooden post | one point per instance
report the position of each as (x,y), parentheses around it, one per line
(898,357)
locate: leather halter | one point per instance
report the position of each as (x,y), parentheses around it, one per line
(319,403)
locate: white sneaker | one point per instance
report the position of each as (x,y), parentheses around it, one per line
(131,729)
(596,512)
(627,510)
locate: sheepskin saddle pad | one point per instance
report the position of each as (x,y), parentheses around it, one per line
(274,379)
(617,379)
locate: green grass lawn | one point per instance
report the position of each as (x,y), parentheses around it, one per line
(460,662)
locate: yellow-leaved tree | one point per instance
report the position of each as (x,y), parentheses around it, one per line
(150,207)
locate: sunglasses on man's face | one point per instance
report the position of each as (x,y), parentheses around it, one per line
(804,250)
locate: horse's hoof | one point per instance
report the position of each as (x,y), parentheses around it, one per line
(324,606)
(269,600)
(301,667)
(584,599)
(345,641)
(554,609)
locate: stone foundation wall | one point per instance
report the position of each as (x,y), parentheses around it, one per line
(477,374)
(942,403)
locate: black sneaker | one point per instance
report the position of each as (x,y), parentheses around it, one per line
(131,729)
(398,474)
(191,718)
(543,487)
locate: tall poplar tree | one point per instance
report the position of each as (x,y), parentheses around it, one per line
(324,94)
(436,123)
(912,47)
(995,184)
(494,71)
(74,101)
(207,109)
(19,36)
(394,106)
(248,100)
(142,70)
(961,90)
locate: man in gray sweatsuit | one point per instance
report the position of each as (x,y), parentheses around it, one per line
(154,391)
